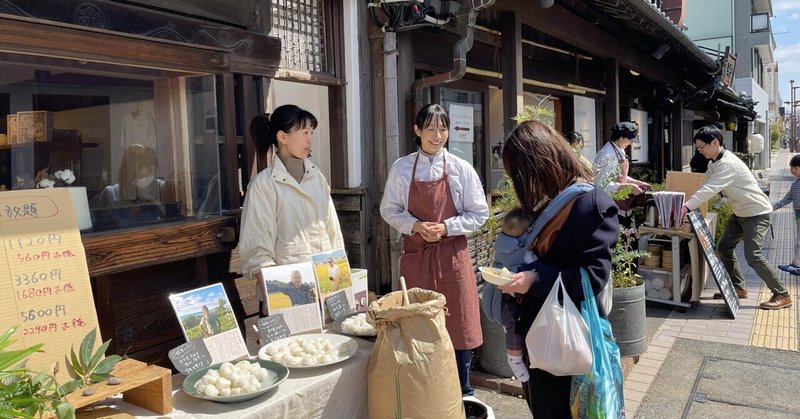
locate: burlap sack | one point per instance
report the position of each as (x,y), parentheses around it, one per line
(412,371)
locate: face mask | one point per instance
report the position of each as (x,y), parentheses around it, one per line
(144,182)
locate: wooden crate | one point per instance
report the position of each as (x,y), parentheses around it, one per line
(146,386)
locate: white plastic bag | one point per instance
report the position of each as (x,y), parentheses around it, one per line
(558,340)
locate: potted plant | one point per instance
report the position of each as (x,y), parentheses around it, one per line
(628,317)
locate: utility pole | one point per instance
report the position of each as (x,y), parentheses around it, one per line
(793,117)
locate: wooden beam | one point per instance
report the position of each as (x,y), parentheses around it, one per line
(55,41)
(337,105)
(250,97)
(150,245)
(558,22)
(611,99)
(230,183)
(511,65)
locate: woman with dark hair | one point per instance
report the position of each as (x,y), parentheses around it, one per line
(435,199)
(541,166)
(288,213)
(728,175)
(575,139)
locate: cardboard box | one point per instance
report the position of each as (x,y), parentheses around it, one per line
(687,183)
(35,126)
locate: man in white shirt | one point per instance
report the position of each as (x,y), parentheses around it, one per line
(729,176)
(333,275)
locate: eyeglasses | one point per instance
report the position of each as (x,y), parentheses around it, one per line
(700,147)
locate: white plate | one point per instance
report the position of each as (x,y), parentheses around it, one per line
(493,275)
(276,374)
(347,347)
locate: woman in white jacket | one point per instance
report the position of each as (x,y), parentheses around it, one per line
(288,213)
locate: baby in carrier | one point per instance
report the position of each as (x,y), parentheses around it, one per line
(511,252)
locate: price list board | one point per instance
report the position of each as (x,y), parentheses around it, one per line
(44,278)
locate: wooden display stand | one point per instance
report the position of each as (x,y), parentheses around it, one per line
(146,386)
(646,234)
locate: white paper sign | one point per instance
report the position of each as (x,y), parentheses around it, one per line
(462,124)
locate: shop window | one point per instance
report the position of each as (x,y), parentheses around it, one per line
(143,142)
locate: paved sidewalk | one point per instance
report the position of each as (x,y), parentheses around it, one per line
(709,321)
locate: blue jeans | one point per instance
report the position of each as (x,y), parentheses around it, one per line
(463,361)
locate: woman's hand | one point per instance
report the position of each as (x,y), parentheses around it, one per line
(429,231)
(520,283)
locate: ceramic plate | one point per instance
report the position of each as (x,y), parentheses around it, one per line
(276,374)
(337,326)
(493,275)
(347,347)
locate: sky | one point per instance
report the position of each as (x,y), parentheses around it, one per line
(786,29)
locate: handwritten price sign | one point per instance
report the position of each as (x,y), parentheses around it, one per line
(45,282)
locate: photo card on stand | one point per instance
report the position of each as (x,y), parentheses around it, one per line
(206,316)
(332,271)
(292,292)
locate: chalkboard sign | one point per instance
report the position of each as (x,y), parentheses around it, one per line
(721,276)
(272,328)
(338,305)
(191,356)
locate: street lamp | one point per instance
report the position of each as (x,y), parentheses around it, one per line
(793,116)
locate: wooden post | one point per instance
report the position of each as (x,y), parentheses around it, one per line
(511,67)
(611,99)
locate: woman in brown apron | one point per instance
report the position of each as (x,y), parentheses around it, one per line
(435,198)
(612,168)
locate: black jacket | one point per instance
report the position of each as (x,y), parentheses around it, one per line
(585,239)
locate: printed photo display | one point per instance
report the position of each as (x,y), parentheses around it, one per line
(332,271)
(292,291)
(206,313)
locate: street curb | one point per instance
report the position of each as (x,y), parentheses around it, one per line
(513,387)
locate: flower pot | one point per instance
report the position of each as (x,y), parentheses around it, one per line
(80,204)
(629,320)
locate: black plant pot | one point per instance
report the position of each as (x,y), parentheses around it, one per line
(628,319)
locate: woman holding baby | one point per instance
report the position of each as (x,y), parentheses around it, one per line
(541,166)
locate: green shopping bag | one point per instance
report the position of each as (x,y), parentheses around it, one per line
(598,394)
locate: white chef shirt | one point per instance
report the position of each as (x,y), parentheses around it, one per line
(465,188)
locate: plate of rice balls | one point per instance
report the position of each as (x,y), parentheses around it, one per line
(355,324)
(495,276)
(234,382)
(309,351)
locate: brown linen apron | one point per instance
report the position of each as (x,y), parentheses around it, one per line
(444,266)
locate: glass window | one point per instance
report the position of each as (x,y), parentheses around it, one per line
(143,142)
(759,22)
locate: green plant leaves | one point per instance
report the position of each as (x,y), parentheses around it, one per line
(107,364)
(65,411)
(86,349)
(99,354)
(90,367)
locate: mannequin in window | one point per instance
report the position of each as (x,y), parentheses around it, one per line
(138,127)
(136,180)
(137,175)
